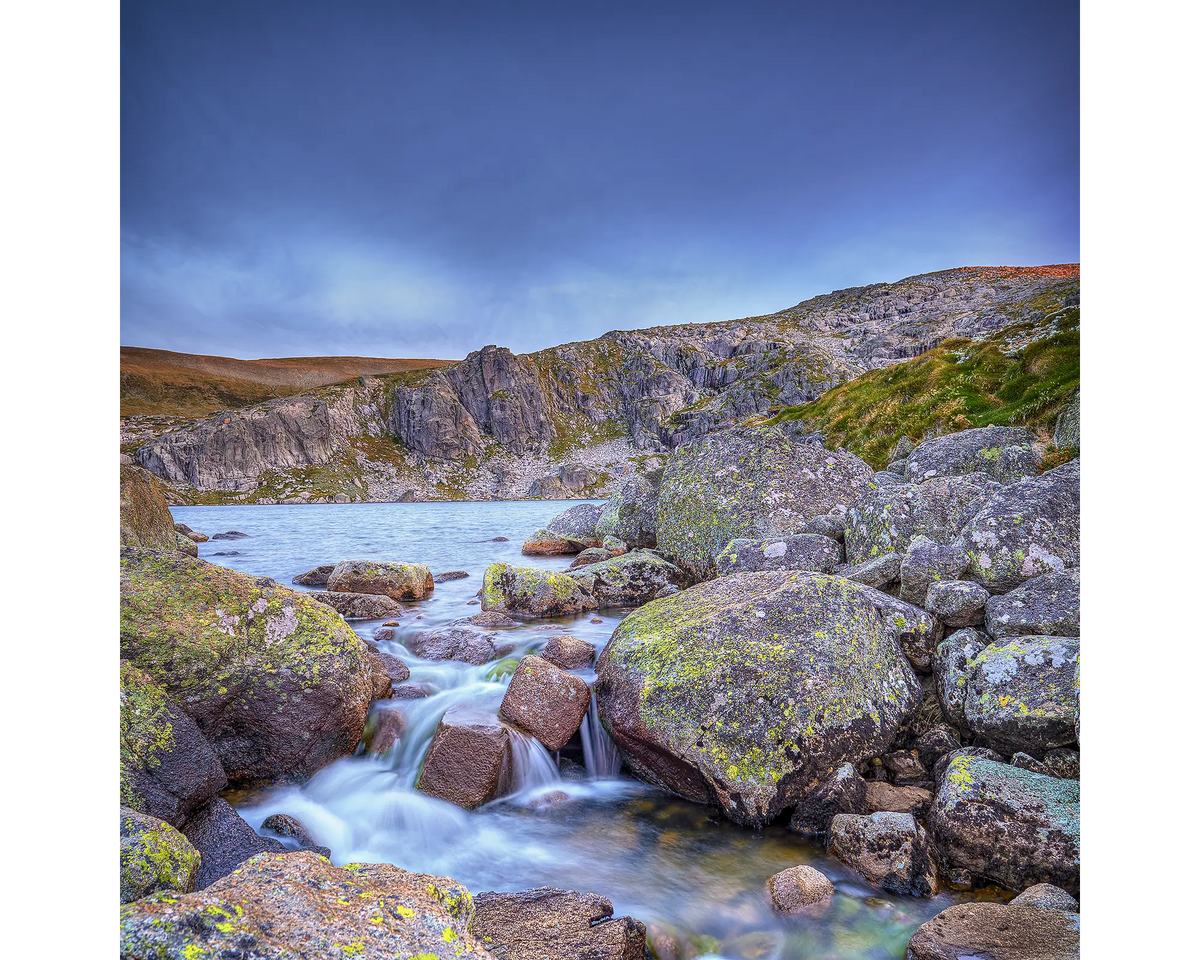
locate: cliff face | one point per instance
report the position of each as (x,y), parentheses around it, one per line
(573,419)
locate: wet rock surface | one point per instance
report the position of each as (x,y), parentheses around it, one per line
(224,841)
(548,922)
(399,581)
(545,701)
(798,889)
(997,931)
(358,606)
(890,849)
(466,762)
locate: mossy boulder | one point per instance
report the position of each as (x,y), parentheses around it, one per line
(168,768)
(146,522)
(800,551)
(630,579)
(298,904)
(277,682)
(154,856)
(578,525)
(1048,605)
(952,669)
(1007,825)
(400,581)
(526,591)
(1004,453)
(751,483)
(997,931)
(750,690)
(631,512)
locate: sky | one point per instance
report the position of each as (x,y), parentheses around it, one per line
(403,179)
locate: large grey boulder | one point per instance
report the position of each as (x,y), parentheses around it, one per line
(801,551)
(630,579)
(748,482)
(1004,453)
(957,603)
(927,562)
(1048,605)
(952,669)
(630,513)
(750,690)
(997,931)
(578,525)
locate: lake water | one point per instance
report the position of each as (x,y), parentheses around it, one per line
(676,866)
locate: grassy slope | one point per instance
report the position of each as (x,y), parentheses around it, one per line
(159,382)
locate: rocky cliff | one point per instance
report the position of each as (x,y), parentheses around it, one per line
(573,419)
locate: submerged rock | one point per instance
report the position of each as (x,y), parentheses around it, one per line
(358,606)
(801,551)
(385,727)
(889,849)
(224,840)
(450,575)
(997,931)
(533,593)
(154,856)
(546,701)
(798,889)
(467,761)
(1047,605)
(551,923)
(400,581)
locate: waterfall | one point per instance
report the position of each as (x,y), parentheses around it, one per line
(600,755)
(532,765)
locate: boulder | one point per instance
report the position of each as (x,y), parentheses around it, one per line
(154,856)
(358,606)
(797,889)
(888,478)
(996,931)
(526,591)
(385,727)
(186,545)
(578,525)
(801,551)
(750,690)
(591,555)
(935,743)
(545,701)
(468,758)
(450,575)
(951,670)
(277,682)
(493,618)
(400,581)
(146,522)
(569,653)
(1062,763)
(550,923)
(298,904)
(916,631)
(1004,453)
(1047,605)
(843,791)
(630,579)
(230,535)
(748,482)
(905,767)
(889,849)
(453,643)
(880,572)
(884,797)
(1026,529)
(381,680)
(957,603)
(832,525)
(543,543)
(394,667)
(1066,427)
(926,562)
(316,577)
(1007,825)
(224,840)
(283,825)
(1046,896)
(630,512)
(983,753)
(194,535)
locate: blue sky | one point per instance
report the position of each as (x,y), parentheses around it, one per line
(420,179)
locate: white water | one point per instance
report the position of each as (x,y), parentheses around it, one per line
(600,754)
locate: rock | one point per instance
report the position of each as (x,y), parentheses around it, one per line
(904,767)
(1027,529)
(468,759)
(802,551)
(277,683)
(630,513)
(154,856)
(400,581)
(591,555)
(384,728)
(450,575)
(224,840)
(1066,428)
(493,618)
(832,525)
(935,743)
(1047,605)
(413,691)
(952,668)
(146,522)
(884,797)
(1021,694)
(630,579)
(843,791)
(595,620)
(939,768)
(194,535)
(230,535)
(168,769)
(391,623)
(615,546)
(284,825)
(533,593)
(578,524)
(543,543)
(548,924)
(916,631)
(1046,896)
(903,448)
(1004,453)
(358,606)
(1026,762)
(925,563)
(298,904)
(877,573)
(454,643)
(889,849)
(796,889)
(751,483)
(1008,825)
(546,701)
(569,653)
(395,668)
(957,603)
(381,682)
(1062,763)
(316,577)
(996,931)
(750,690)
(887,478)
(186,546)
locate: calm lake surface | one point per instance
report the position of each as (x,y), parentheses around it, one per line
(676,866)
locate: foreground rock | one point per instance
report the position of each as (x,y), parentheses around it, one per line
(750,690)
(154,856)
(224,840)
(802,551)
(630,513)
(316,577)
(467,761)
(1004,453)
(400,581)
(798,889)
(546,702)
(1048,605)
(298,904)
(569,653)
(358,606)
(752,483)
(997,931)
(529,592)
(146,522)
(889,849)
(630,579)
(1008,825)
(551,923)
(277,682)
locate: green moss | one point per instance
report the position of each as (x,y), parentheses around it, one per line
(154,856)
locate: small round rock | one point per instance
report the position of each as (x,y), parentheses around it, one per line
(798,888)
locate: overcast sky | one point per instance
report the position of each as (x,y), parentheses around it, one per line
(419,179)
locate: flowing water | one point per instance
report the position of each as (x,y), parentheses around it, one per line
(677,866)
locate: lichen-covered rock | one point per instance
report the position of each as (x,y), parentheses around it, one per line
(801,551)
(997,931)
(400,581)
(750,690)
(797,889)
(888,519)
(1004,453)
(277,682)
(146,522)
(297,904)
(927,562)
(569,653)
(832,525)
(543,543)
(358,606)
(168,769)
(1021,694)
(1047,605)
(916,631)
(957,603)
(468,759)
(224,841)
(748,482)
(154,856)
(843,791)
(186,545)
(1046,896)
(591,555)
(316,577)
(453,643)
(889,849)
(1062,762)
(1008,825)
(630,579)
(630,513)
(1027,529)
(395,668)
(578,524)
(878,573)
(1067,427)
(549,923)
(545,701)
(526,591)
(983,753)
(952,668)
